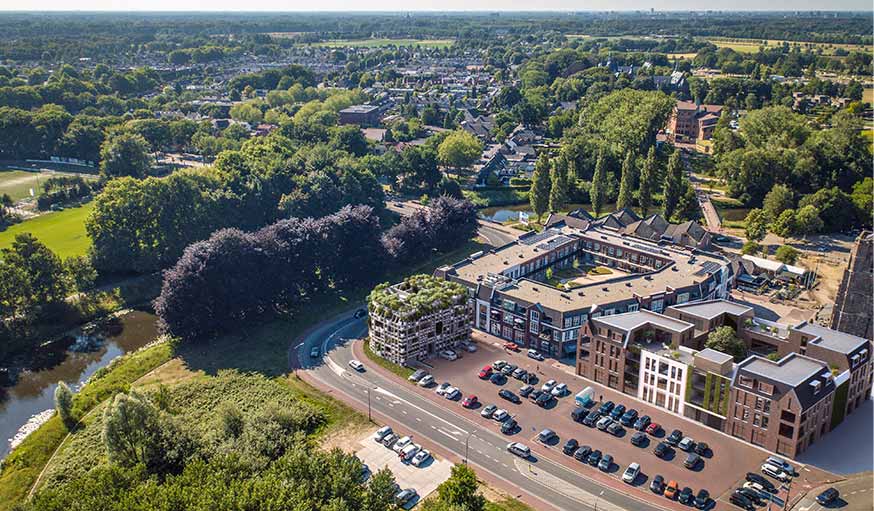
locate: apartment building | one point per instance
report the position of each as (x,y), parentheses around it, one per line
(417,318)
(691,122)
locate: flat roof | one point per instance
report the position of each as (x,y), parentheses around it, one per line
(632,320)
(714,356)
(359,109)
(516,253)
(793,369)
(832,339)
(713,308)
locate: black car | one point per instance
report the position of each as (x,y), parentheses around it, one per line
(686,496)
(570,446)
(530,379)
(578,414)
(509,396)
(498,379)
(701,448)
(740,500)
(615,429)
(509,426)
(757,478)
(661,450)
(751,494)
(692,461)
(702,499)
(594,457)
(591,419)
(642,422)
(582,454)
(605,408)
(827,497)
(657,485)
(638,438)
(543,399)
(675,437)
(534,395)
(628,418)
(617,412)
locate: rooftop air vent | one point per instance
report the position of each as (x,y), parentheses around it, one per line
(535,289)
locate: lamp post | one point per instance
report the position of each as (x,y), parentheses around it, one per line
(597,499)
(467,446)
(369,418)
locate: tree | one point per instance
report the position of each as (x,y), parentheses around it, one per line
(598,190)
(541,186)
(687,206)
(558,190)
(459,150)
(750,248)
(778,200)
(647,175)
(626,183)
(836,209)
(756,225)
(459,492)
(784,226)
(126,154)
(673,187)
(724,340)
(787,254)
(64,404)
(807,220)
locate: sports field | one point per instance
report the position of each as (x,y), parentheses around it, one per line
(752,45)
(376,43)
(18,183)
(62,231)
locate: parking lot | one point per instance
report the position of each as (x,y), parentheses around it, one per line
(722,468)
(424,478)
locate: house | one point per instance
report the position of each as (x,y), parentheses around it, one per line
(362,115)
(690,122)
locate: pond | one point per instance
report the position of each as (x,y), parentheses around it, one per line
(34,391)
(502,214)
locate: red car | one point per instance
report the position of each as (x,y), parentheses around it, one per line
(653,428)
(485,372)
(512,346)
(470,401)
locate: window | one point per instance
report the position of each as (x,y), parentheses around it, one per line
(766,388)
(535,316)
(534,328)
(746,415)
(745,381)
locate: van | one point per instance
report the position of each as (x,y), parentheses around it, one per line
(781,464)
(775,472)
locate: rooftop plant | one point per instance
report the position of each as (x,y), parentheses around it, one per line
(416,296)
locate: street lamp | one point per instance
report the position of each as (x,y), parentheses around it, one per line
(599,498)
(369,418)
(467,446)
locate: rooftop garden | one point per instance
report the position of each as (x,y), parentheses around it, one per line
(415,297)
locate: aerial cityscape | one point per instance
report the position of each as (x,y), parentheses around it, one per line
(467,257)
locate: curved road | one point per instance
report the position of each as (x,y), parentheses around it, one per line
(549,482)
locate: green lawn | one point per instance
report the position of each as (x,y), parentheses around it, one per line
(17,183)
(376,43)
(62,231)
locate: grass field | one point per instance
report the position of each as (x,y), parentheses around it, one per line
(17,183)
(868,95)
(62,231)
(752,45)
(376,43)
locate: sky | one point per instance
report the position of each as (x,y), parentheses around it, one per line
(426,5)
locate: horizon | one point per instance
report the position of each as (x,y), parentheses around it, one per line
(793,7)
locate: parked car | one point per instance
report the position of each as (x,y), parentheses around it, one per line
(381,433)
(470,401)
(389,440)
(488,411)
(740,500)
(578,414)
(420,457)
(642,422)
(615,429)
(508,369)
(559,390)
(408,452)
(692,461)
(657,485)
(526,390)
(638,439)
(686,444)
(604,423)
(498,379)
(754,487)
(702,448)
(570,446)
(512,346)
(530,379)
(417,375)
(549,385)
(485,373)
(509,426)
(653,428)
(591,419)
(427,381)
(631,472)
(605,463)
(543,399)
(519,449)
(534,395)
(605,408)
(661,450)
(675,437)
(509,396)
(672,489)
(535,355)
(827,497)
(442,388)
(775,472)
(500,415)
(452,394)
(686,496)
(702,500)
(594,457)
(469,347)
(519,373)
(498,364)
(449,355)
(357,365)
(762,480)
(628,418)
(401,443)
(754,495)
(405,496)
(546,436)
(782,464)
(582,453)
(617,412)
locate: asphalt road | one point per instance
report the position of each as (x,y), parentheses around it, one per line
(410,413)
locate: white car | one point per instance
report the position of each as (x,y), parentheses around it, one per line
(686,444)
(400,444)
(775,472)
(355,364)
(427,381)
(470,347)
(549,385)
(498,364)
(781,464)
(631,472)
(535,355)
(420,457)
(518,449)
(442,388)
(500,415)
(559,390)
(408,452)
(381,433)
(755,487)
(449,355)
(488,411)
(452,393)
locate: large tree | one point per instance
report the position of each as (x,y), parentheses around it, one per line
(647,176)
(541,185)
(725,340)
(756,225)
(598,190)
(459,150)
(778,200)
(558,190)
(125,154)
(673,186)
(626,184)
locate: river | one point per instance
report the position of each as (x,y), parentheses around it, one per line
(34,391)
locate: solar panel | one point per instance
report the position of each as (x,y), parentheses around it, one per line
(707,267)
(537,238)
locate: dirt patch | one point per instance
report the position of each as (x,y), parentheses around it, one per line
(346,438)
